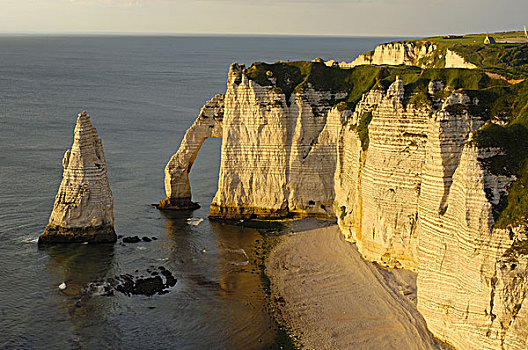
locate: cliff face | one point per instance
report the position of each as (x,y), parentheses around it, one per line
(483,286)
(399,169)
(83,209)
(420,197)
(420,54)
(278,153)
(383,212)
(410,54)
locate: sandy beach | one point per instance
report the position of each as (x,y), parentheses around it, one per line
(334,299)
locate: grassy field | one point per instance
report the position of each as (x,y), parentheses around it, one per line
(471,39)
(507,59)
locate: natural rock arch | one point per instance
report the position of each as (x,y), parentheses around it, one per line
(177,185)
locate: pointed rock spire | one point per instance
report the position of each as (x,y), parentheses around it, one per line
(83,209)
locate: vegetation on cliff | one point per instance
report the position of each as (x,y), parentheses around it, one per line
(496,99)
(502,102)
(294,76)
(362,129)
(507,59)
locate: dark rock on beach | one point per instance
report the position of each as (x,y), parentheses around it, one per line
(131,239)
(140,286)
(170,280)
(157,282)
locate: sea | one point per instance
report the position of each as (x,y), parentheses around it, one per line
(142,93)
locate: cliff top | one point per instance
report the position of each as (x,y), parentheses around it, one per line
(508,56)
(297,75)
(497,99)
(471,39)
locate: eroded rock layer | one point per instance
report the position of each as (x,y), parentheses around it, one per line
(421,54)
(288,148)
(401,172)
(177,185)
(83,208)
(387,178)
(468,290)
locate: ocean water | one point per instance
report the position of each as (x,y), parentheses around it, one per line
(142,94)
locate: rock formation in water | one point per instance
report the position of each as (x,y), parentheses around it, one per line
(83,209)
(423,169)
(177,186)
(280,145)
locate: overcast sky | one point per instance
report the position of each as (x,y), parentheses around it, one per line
(323,17)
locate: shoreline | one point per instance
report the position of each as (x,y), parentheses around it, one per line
(328,297)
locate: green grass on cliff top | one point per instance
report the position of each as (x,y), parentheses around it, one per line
(295,76)
(507,59)
(498,98)
(506,102)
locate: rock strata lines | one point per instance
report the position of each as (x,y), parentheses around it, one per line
(404,178)
(177,185)
(83,208)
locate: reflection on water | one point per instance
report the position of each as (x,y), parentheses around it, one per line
(240,275)
(79,265)
(218,296)
(143,93)
(226,274)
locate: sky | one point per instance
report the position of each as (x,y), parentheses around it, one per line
(299,17)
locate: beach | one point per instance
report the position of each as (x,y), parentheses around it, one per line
(328,295)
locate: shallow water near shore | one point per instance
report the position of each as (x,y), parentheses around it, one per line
(142,94)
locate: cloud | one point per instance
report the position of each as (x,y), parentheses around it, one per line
(280,2)
(275,2)
(135,3)
(107,3)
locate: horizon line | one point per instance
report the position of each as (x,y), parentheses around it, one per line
(207,34)
(228,34)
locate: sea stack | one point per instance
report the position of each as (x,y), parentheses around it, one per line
(84,206)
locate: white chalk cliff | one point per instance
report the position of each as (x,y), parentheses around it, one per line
(420,54)
(177,185)
(414,193)
(286,139)
(454,60)
(83,209)
(397,53)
